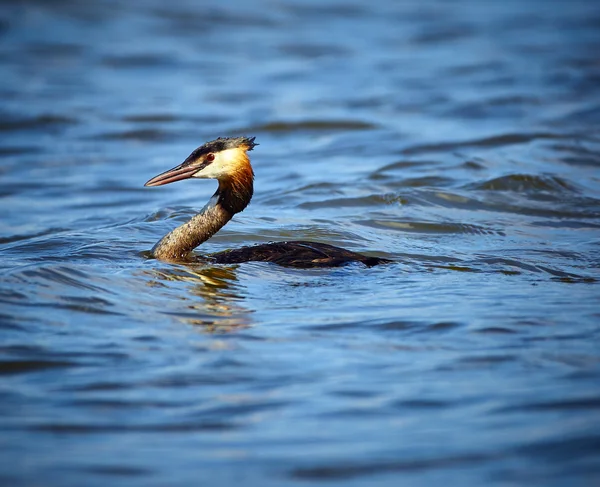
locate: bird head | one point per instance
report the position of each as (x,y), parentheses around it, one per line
(224,159)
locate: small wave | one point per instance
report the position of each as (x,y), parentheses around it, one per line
(17,238)
(45,121)
(577,154)
(311,51)
(21,366)
(361,201)
(405,164)
(431,227)
(526,183)
(575,404)
(18,150)
(63,275)
(151,118)
(138,61)
(356,470)
(138,134)
(311,125)
(491,142)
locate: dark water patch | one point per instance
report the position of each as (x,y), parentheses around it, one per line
(526,183)
(422,404)
(190,21)
(313,51)
(362,201)
(442,326)
(112,202)
(502,261)
(577,154)
(116,470)
(44,122)
(89,304)
(573,448)
(86,429)
(146,339)
(124,404)
(487,359)
(18,238)
(9,322)
(407,165)
(508,265)
(486,142)
(96,386)
(217,322)
(387,326)
(16,188)
(152,118)
(235,411)
(15,366)
(52,50)
(430,227)
(324,11)
(562,275)
(457,268)
(51,276)
(495,330)
(18,150)
(502,107)
(574,224)
(110,186)
(444,33)
(396,325)
(354,393)
(137,61)
(392,325)
(355,414)
(359,469)
(582,117)
(535,203)
(207,378)
(468,69)
(11,296)
(310,125)
(144,135)
(319,188)
(573,279)
(582,404)
(426,181)
(476,164)
(4,26)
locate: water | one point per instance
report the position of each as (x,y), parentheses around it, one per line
(461,139)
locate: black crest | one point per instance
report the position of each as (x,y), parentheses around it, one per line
(221,144)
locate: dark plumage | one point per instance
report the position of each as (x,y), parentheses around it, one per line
(298,253)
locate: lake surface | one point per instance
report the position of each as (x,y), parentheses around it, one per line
(460,139)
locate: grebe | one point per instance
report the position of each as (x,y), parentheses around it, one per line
(226,160)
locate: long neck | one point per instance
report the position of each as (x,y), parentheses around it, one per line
(231,197)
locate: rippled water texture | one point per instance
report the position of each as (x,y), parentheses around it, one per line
(460,139)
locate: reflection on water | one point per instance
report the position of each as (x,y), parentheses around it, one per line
(218,308)
(460,139)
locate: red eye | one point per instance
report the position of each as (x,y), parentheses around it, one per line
(209,157)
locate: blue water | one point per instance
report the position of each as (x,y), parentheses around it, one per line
(460,139)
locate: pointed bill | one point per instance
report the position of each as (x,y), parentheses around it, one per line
(178,173)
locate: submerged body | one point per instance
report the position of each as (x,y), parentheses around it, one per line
(226,160)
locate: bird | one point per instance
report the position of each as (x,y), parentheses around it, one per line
(226,160)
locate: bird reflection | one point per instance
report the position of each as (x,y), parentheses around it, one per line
(218,309)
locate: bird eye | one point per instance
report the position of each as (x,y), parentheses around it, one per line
(209,157)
